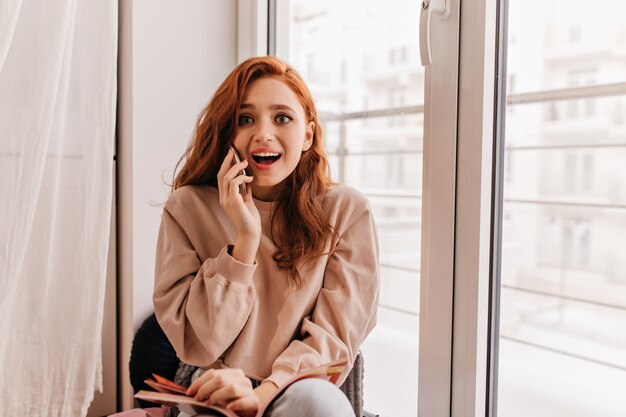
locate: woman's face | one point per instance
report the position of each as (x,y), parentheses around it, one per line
(272,133)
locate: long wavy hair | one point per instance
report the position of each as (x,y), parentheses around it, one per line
(303,229)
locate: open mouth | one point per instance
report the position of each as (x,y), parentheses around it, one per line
(266,158)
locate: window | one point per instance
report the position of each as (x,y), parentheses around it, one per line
(379,152)
(562,275)
(579,172)
(562,349)
(574,34)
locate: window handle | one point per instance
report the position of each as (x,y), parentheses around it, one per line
(428,8)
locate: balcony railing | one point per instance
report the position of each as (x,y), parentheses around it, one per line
(604,90)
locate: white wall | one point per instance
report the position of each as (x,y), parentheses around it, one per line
(173,55)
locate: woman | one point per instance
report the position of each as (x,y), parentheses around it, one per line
(265,273)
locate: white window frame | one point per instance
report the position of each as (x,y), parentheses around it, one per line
(438,216)
(477,246)
(252,28)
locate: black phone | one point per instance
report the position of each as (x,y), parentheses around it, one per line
(242,187)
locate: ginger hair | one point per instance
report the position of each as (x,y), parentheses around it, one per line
(305,228)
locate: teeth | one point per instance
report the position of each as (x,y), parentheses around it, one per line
(267,154)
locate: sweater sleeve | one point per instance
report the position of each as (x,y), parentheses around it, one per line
(345,310)
(201,306)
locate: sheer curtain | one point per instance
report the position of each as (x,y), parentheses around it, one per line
(58,86)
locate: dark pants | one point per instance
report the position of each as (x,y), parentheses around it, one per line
(151,353)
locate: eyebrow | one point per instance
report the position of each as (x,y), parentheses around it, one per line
(272,107)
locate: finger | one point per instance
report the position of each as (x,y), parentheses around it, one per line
(232,173)
(249,403)
(225,180)
(205,391)
(221,379)
(193,388)
(247,198)
(237,181)
(236,169)
(214,379)
(227,393)
(226,163)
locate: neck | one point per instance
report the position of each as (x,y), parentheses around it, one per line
(267,193)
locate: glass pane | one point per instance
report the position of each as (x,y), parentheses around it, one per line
(360,56)
(563,278)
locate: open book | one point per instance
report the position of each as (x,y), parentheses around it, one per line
(169,393)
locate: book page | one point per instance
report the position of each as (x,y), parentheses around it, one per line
(184,403)
(169,393)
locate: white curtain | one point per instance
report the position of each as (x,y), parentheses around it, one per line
(58,63)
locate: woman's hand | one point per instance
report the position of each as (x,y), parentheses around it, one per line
(265,391)
(227,388)
(240,209)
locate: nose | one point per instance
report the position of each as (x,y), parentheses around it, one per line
(264,131)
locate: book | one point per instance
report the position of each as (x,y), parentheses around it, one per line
(171,394)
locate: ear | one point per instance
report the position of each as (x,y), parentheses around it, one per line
(308,136)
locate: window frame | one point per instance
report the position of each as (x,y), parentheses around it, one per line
(438,217)
(482,98)
(253,31)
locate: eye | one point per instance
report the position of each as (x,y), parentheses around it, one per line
(283,119)
(244,119)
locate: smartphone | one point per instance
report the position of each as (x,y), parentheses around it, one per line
(242,187)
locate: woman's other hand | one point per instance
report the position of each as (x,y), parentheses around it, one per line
(227,388)
(240,209)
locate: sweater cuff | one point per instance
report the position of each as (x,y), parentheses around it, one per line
(231,269)
(281,375)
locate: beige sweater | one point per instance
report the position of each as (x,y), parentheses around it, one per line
(217,311)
